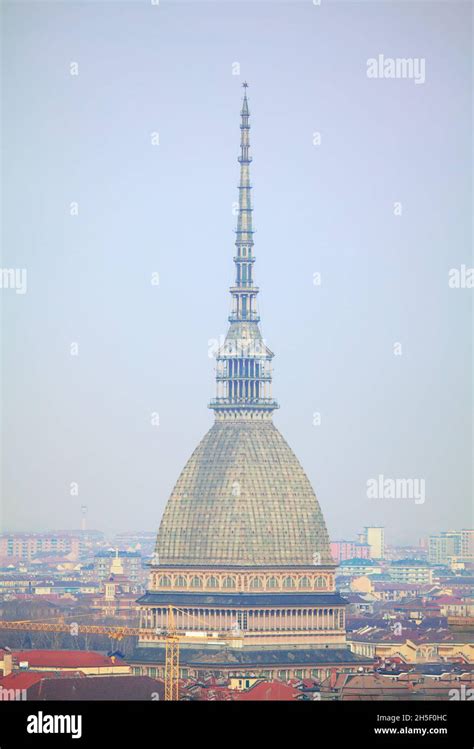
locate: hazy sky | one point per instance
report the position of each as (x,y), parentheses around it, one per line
(145,208)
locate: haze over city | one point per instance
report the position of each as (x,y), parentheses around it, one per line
(120,418)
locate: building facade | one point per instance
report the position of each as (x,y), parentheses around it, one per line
(449,545)
(374,537)
(410,571)
(131,562)
(344,550)
(29,545)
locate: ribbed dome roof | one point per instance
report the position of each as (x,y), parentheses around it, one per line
(243,499)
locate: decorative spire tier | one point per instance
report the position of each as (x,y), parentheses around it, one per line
(243,363)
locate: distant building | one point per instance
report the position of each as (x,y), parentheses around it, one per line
(143,541)
(448,544)
(69,588)
(30,545)
(395,591)
(453,606)
(342,550)
(118,594)
(131,563)
(410,571)
(415,645)
(374,536)
(357,567)
(395,553)
(393,684)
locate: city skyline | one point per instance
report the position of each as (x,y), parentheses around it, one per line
(237,366)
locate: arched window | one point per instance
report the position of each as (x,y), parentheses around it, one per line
(164,581)
(320,582)
(196,582)
(288,582)
(228,582)
(304,582)
(180,582)
(212,582)
(256,582)
(272,583)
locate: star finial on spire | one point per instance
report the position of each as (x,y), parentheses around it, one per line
(245,84)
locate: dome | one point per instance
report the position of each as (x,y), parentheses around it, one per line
(243,499)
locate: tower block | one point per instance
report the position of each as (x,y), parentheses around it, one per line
(242,545)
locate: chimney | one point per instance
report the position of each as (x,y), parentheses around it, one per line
(7,664)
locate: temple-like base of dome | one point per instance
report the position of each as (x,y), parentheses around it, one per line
(271,663)
(244,620)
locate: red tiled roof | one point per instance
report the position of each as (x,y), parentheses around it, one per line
(269,690)
(21,680)
(25,679)
(64,658)
(99,688)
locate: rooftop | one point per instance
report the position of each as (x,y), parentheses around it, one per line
(114,688)
(243,599)
(64,658)
(248,658)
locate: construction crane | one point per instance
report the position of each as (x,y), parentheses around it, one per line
(170,635)
(172,646)
(117,633)
(171,659)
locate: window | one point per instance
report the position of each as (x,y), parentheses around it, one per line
(180,582)
(196,582)
(164,581)
(272,583)
(304,582)
(288,582)
(256,582)
(320,582)
(228,582)
(212,582)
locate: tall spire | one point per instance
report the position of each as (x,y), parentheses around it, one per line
(243,363)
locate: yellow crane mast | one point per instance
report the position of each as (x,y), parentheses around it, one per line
(171,659)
